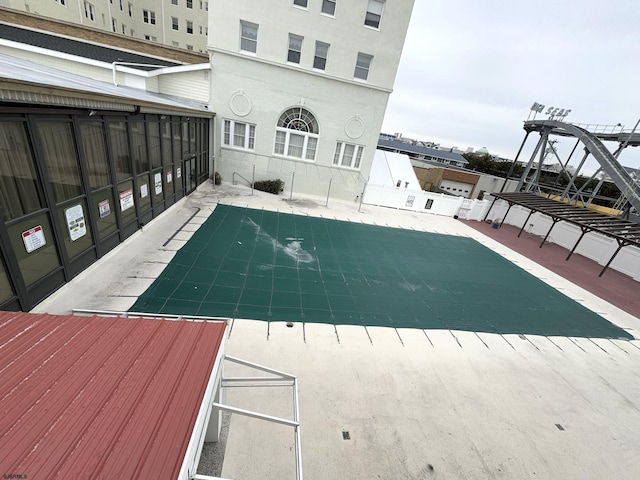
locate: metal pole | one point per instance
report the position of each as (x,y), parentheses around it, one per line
(293,175)
(328,192)
(515,160)
(253,178)
(527,169)
(362,195)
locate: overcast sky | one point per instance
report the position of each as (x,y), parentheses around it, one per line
(471,70)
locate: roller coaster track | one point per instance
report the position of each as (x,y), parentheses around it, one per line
(597,149)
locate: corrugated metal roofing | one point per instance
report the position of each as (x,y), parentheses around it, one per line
(17,69)
(79,48)
(100,397)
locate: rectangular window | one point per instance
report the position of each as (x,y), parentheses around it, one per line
(175,44)
(61,2)
(174,23)
(374,13)
(149,17)
(300,3)
(296,144)
(151,38)
(320,58)
(189,3)
(119,141)
(348,155)
(89,11)
(59,151)
(189,47)
(114,24)
(363,64)
(281,138)
(174,2)
(248,37)
(329,7)
(189,27)
(20,191)
(295,48)
(130,9)
(201,30)
(239,135)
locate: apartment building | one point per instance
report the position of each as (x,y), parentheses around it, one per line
(300,88)
(178,23)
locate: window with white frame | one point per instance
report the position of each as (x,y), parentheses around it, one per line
(114,24)
(295,48)
(189,26)
(89,11)
(248,37)
(130,9)
(363,64)
(374,13)
(238,135)
(300,3)
(151,38)
(174,2)
(297,134)
(62,2)
(174,23)
(348,155)
(320,57)
(329,7)
(189,3)
(149,17)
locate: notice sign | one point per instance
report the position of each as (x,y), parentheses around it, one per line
(33,239)
(144,190)
(104,208)
(75,222)
(157,180)
(126,200)
(169,177)
(410,200)
(178,172)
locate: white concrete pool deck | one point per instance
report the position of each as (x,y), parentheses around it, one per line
(416,404)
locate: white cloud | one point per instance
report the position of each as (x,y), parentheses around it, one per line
(471,70)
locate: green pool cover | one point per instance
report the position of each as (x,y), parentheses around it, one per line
(264,265)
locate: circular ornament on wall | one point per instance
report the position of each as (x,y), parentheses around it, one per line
(240,103)
(354,128)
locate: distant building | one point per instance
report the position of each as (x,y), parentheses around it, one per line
(176,23)
(418,151)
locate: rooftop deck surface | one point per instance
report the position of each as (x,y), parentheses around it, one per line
(417,403)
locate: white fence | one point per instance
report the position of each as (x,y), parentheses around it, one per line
(415,200)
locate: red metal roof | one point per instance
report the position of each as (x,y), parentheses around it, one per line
(100,397)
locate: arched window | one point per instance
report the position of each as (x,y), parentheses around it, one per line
(297,134)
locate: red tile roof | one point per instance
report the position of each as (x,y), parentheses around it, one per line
(101,397)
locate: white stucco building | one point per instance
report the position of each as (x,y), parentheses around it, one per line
(300,88)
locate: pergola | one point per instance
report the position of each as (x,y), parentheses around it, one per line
(626,233)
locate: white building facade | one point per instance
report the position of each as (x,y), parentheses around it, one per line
(300,89)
